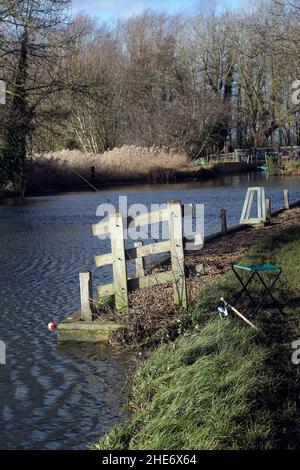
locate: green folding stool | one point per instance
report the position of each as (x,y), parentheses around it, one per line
(256,272)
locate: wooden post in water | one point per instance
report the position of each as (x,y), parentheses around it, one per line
(2,353)
(119,262)
(286,199)
(93,172)
(139,262)
(223,219)
(177,252)
(268,209)
(86,294)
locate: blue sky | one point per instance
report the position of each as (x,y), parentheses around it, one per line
(113,9)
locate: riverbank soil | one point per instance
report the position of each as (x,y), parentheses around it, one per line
(221,384)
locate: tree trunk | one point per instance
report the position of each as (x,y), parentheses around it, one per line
(17,127)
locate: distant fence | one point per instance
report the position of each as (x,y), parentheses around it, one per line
(251,155)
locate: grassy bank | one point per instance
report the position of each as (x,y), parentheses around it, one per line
(284,167)
(221,385)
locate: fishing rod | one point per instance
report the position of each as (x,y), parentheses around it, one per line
(224,309)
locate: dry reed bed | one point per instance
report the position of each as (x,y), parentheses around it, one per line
(127,163)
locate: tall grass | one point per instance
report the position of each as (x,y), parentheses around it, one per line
(292,167)
(127,163)
(225,386)
(274,164)
(200,393)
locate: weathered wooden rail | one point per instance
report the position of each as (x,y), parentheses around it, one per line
(119,255)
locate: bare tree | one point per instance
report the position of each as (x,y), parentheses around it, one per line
(32,55)
(96,118)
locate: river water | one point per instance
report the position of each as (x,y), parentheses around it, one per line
(65,397)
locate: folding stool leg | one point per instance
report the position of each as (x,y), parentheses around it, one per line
(268,294)
(245,285)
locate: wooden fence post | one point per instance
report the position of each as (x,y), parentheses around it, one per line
(119,262)
(268,209)
(86,294)
(139,262)
(223,218)
(177,252)
(286,199)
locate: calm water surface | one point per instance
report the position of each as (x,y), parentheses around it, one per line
(65,397)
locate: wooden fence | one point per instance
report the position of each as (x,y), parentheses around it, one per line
(119,255)
(253,155)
